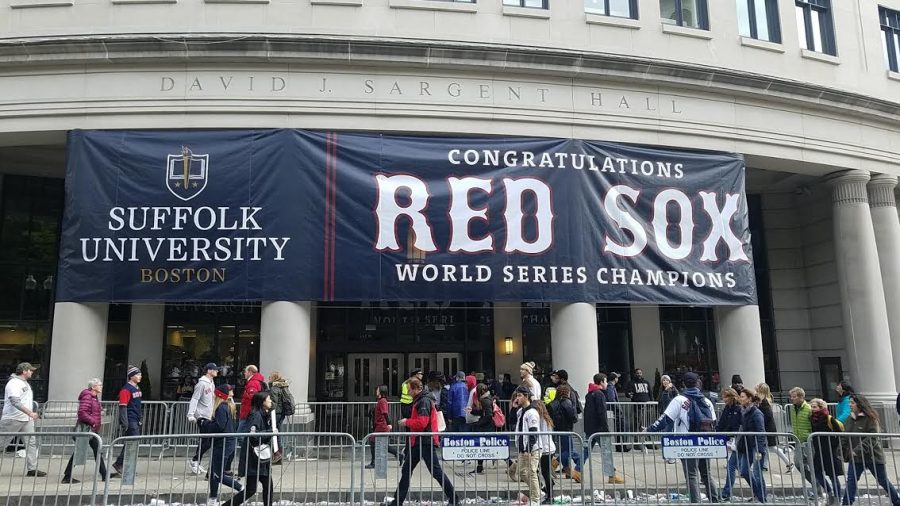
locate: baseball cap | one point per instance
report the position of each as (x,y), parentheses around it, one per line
(691,379)
(211,365)
(524,391)
(24,366)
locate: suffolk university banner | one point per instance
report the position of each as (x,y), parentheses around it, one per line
(232,215)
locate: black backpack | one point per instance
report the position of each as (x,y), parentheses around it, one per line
(700,416)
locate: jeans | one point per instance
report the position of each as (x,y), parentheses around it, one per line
(832,485)
(751,470)
(242,450)
(95,447)
(855,470)
(699,468)
(250,489)
(220,462)
(803,460)
(31,448)
(133,430)
(566,454)
(730,475)
(546,465)
(606,454)
(424,451)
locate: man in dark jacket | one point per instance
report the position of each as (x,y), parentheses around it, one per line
(422,448)
(596,421)
(641,414)
(562,412)
(129,412)
(751,449)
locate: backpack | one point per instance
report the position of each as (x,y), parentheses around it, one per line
(287,403)
(497,416)
(700,417)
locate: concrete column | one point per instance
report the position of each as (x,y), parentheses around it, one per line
(883,206)
(77,348)
(739,344)
(285,343)
(145,342)
(647,344)
(573,336)
(508,323)
(862,294)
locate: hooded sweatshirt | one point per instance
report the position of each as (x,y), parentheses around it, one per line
(254,384)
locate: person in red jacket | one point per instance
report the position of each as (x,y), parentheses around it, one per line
(89,417)
(423,419)
(255,383)
(380,422)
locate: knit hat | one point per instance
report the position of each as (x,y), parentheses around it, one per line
(132,370)
(736,379)
(528,366)
(223,390)
(461,376)
(691,379)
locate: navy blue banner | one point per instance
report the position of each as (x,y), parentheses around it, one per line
(232,215)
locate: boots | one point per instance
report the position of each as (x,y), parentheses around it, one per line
(575,475)
(616,480)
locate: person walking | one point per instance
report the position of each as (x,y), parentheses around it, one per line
(690,411)
(729,422)
(224,421)
(484,410)
(200,411)
(865,452)
(548,449)
(89,417)
(130,415)
(380,422)
(562,412)
(459,401)
(526,373)
(258,466)
(255,383)
(750,449)
(766,403)
(844,389)
(801,426)
(596,421)
(282,398)
(423,418)
(826,449)
(528,443)
(19,416)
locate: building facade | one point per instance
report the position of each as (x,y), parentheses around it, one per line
(807,91)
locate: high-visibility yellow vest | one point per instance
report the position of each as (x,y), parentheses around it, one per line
(405,397)
(549,395)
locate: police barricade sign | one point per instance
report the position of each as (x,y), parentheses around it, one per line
(694,447)
(475,447)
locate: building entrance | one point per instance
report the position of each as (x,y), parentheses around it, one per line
(369,370)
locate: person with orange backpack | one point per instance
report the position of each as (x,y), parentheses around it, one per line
(483,408)
(423,418)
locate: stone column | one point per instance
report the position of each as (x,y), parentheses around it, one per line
(862,294)
(285,344)
(145,342)
(508,323)
(647,345)
(573,336)
(77,348)
(739,344)
(883,206)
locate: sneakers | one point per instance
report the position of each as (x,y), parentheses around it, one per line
(117,468)
(196,468)
(35,473)
(212,501)
(370,466)
(790,467)
(71,481)
(616,480)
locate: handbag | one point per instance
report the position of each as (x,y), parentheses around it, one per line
(441,423)
(263,452)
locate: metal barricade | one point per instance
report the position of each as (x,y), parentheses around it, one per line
(868,467)
(349,417)
(62,416)
(146,479)
(655,478)
(410,465)
(34,472)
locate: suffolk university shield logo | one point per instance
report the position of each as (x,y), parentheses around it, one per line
(186,174)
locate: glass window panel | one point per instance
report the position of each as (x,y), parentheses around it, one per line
(595,7)
(762,20)
(801,27)
(668,11)
(896,52)
(885,50)
(817,30)
(534,3)
(620,8)
(690,12)
(743,13)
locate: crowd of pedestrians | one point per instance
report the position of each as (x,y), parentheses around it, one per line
(541,419)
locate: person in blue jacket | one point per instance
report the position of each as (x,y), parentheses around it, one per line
(459,399)
(750,449)
(223,422)
(730,421)
(843,389)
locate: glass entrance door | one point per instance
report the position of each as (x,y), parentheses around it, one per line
(369,370)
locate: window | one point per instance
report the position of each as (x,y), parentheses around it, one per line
(890,25)
(758,19)
(536,4)
(815,26)
(690,13)
(689,343)
(615,8)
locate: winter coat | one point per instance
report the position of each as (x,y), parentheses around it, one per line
(862,448)
(89,411)
(280,392)
(826,450)
(459,399)
(222,423)
(751,421)
(380,419)
(730,419)
(665,397)
(800,420)
(261,422)
(484,410)
(254,385)
(769,420)
(843,409)
(423,419)
(562,412)
(595,417)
